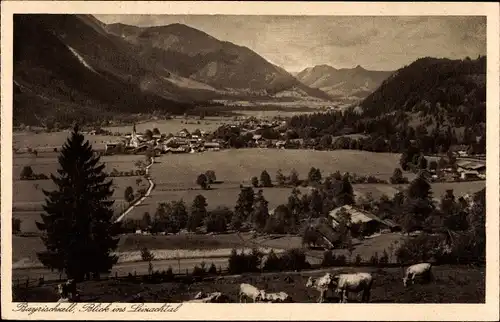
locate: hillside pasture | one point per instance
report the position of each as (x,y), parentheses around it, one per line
(452,284)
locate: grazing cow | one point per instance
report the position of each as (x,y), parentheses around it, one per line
(356,283)
(322,284)
(279,297)
(63,293)
(247,290)
(421,269)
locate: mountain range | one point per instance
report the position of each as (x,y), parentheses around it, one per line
(195,59)
(67,64)
(75,67)
(345,83)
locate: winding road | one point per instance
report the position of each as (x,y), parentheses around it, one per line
(140,200)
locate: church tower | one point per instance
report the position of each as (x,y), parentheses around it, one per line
(134,140)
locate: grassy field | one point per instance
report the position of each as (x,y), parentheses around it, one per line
(175,175)
(452,284)
(28,197)
(48,141)
(235,166)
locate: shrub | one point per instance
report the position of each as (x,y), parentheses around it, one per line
(273,262)
(198,271)
(358,260)
(212,270)
(240,263)
(26,173)
(16,225)
(421,248)
(255,182)
(340,260)
(384,259)
(169,275)
(146,255)
(294,259)
(374,259)
(328,259)
(129,194)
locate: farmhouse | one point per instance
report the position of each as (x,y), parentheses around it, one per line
(183,133)
(280,144)
(470,169)
(468,175)
(370,222)
(215,146)
(110,147)
(328,237)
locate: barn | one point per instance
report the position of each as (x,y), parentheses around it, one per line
(370,222)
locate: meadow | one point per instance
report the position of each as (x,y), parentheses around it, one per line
(28,197)
(451,284)
(175,177)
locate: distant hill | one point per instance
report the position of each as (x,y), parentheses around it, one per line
(453,91)
(433,103)
(345,83)
(222,66)
(67,67)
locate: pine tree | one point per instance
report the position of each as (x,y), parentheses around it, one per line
(78,232)
(344,193)
(418,203)
(260,211)
(198,213)
(243,208)
(265,179)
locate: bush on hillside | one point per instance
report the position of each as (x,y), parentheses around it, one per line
(241,263)
(291,260)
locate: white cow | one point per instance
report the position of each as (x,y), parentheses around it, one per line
(277,297)
(355,282)
(322,284)
(247,290)
(421,269)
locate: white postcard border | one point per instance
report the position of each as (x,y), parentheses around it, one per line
(296,311)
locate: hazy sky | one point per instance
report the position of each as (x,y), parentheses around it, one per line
(297,42)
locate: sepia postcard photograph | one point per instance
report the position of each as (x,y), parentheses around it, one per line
(316,161)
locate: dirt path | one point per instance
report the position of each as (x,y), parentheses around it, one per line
(140,200)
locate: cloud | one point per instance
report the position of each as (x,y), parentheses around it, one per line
(375,42)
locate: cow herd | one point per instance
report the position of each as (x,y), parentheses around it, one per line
(341,284)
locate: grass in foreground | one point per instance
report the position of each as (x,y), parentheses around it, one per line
(452,284)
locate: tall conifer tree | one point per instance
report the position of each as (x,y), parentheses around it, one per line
(78,231)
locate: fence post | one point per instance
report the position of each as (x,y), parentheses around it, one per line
(116,275)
